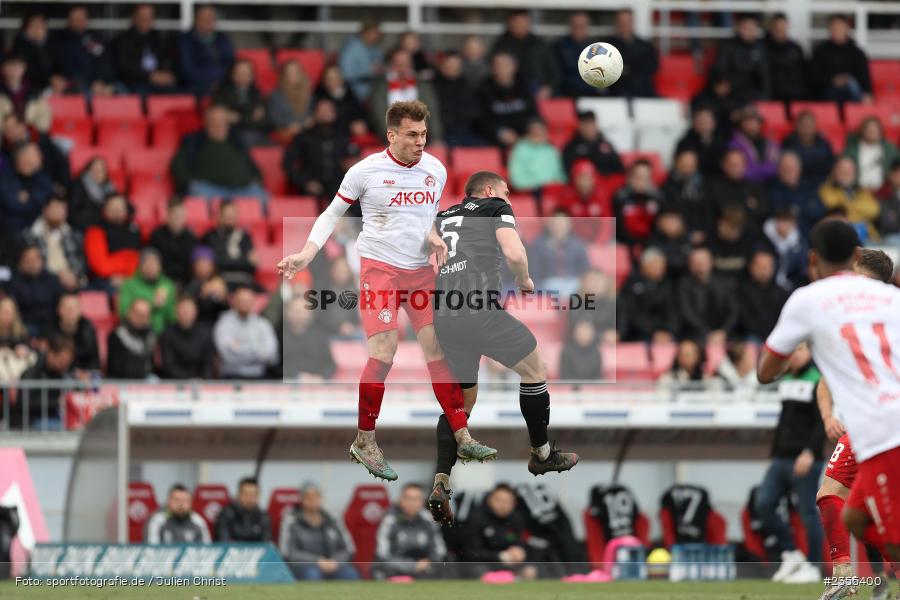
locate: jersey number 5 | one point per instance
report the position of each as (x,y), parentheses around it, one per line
(451,236)
(848,332)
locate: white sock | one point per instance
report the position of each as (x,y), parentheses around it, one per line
(542,452)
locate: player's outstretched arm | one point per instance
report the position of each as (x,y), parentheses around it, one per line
(771,366)
(834,429)
(321,231)
(516,257)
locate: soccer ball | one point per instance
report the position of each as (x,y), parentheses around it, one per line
(600,65)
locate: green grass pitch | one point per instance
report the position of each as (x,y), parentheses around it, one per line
(444,590)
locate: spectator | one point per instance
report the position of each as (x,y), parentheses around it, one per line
(314,544)
(841,67)
(534,162)
(245,342)
(567,50)
(341,323)
(72,324)
(54,365)
(720,96)
(24,189)
(81,56)
(317,158)
(583,197)
(506,105)
(760,298)
(360,60)
(733,187)
(597,304)
(791,191)
(17,93)
(790,246)
(688,368)
(888,223)
(149,284)
(645,307)
(558,258)
(475,65)
(731,243)
(245,105)
(639,57)
(842,190)
(17,132)
(706,303)
(175,242)
(636,204)
(186,347)
(580,357)
(132,345)
(671,237)
(411,42)
(590,143)
(176,523)
(32,43)
(290,104)
(351,116)
(537,68)
(89,194)
(307,355)
(760,152)
(408,542)
(60,245)
(214,163)
(243,520)
(496,536)
(684,193)
(112,248)
(204,54)
(232,247)
(16,355)
(35,290)
(400,83)
(142,57)
(737,369)
(206,286)
(816,155)
(458,103)
(704,140)
(787,64)
(872,153)
(745,58)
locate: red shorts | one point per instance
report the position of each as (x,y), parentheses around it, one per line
(877,492)
(842,464)
(384,289)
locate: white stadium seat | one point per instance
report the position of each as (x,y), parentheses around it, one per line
(613,119)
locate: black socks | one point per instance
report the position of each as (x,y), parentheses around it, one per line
(534,401)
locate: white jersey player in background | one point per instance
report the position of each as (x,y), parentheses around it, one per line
(399,192)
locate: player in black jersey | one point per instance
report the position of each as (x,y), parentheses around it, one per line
(470,322)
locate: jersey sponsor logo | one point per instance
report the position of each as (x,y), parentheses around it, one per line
(430,181)
(389,182)
(407,198)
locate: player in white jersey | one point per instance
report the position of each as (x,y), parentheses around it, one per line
(852,323)
(399,191)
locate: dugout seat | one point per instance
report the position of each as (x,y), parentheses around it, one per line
(141,506)
(716,527)
(281,502)
(362,517)
(595,540)
(209,500)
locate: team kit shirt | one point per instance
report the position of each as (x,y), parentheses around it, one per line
(853,326)
(399,202)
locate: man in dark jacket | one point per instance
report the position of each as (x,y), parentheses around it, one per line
(186,347)
(590,143)
(732,243)
(790,190)
(72,324)
(24,189)
(35,290)
(568,50)
(787,65)
(33,43)
(55,365)
(81,56)
(317,157)
(204,54)
(646,308)
(408,541)
(745,59)
(537,67)
(132,345)
(142,57)
(706,303)
(243,520)
(506,104)
(233,248)
(176,523)
(639,57)
(841,67)
(704,140)
(760,297)
(458,103)
(733,188)
(313,543)
(175,242)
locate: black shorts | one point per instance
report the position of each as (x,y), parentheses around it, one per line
(492,333)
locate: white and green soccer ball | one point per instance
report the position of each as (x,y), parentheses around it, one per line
(600,65)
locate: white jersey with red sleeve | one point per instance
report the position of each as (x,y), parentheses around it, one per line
(399,203)
(853,326)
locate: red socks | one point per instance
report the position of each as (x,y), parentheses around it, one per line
(371,392)
(838,537)
(448,393)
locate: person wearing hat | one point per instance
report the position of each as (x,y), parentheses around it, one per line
(583,197)
(150,284)
(761,152)
(590,143)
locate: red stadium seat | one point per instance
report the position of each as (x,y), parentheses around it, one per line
(677,63)
(209,500)
(141,506)
(126,134)
(105,108)
(885,80)
(249,210)
(826,113)
(266,272)
(151,189)
(292,234)
(469,160)
(855,114)
(68,107)
(350,358)
(612,260)
(95,305)
(197,215)
(286,207)
(171,106)
(545,323)
(148,161)
(775,119)
(677,77)
(312,61)
(146,216)
(268,160)
(596,540)
(281,502)
(627,361)
(559,114)
(80,130)
(265,74)
(440,152)
(662,356)
(362,517)
(82,155)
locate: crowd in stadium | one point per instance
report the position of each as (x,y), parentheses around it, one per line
(706,253)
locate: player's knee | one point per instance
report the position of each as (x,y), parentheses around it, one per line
(383,348)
